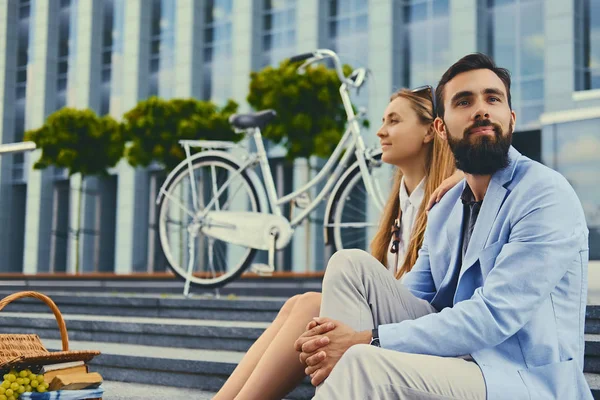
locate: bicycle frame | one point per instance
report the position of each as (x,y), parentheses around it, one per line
(351,141)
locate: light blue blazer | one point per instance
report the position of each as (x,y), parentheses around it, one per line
(519,308)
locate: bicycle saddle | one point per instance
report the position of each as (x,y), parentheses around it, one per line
(252,120)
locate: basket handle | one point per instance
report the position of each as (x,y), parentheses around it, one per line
(59,318)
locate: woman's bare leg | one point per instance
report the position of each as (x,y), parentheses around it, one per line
(240,375)
(279,369)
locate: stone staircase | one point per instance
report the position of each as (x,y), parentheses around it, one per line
(172,341)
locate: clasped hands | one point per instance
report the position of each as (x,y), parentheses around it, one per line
(323,344)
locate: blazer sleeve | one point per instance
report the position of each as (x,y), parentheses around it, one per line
(547,236)
(419,280)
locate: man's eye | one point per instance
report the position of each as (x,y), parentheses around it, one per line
(462,103)
(494,99)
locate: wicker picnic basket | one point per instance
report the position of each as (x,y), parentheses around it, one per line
(26,351)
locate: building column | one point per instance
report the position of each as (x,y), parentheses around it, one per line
(9,28)
(189,50)
(132,186)
(84,93)
(465,17)
(310,30)
(245,47)
(559,43)
(41,102)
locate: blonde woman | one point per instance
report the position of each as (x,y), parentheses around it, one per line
(270,368)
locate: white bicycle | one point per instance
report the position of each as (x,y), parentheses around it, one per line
(215,212)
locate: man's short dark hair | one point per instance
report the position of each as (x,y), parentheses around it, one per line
(469,63)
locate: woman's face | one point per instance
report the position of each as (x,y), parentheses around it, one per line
(402,136)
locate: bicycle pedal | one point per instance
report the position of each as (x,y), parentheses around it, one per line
(262,269)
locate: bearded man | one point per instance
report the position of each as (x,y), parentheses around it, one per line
(494,307)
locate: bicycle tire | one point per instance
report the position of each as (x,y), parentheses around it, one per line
(351,179)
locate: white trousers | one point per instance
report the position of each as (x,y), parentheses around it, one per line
(359,291)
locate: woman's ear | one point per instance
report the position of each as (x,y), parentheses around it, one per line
(429,135)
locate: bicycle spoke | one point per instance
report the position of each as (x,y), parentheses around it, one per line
(356,225)
(213,177)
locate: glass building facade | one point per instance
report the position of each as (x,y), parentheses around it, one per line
(426,47)
(551,47)
(217,49)
(279,31)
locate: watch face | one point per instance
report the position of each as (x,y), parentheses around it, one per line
(375,342)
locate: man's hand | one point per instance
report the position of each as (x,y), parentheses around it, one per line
(321,352)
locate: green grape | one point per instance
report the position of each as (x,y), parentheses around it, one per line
(41,389)
(24,373)
(3,397)
(11,378)
(9,392)
(28,388)
(6,384)
(14,386)
(26,381)
(5,376)
(19,381)
(34,383)
(11,398)
(2,389)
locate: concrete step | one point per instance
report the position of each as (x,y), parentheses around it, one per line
(594,381)
(155,306)
(114,390)
(246,286)
(202,369)
(592,319)
(592,353)
(166,332)
(206,370)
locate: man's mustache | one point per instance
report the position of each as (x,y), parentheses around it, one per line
(482,123)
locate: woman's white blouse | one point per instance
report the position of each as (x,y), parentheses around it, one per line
(409,205)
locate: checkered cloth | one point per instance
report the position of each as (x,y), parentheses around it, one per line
(64,394)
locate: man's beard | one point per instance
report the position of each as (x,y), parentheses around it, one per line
(482,155)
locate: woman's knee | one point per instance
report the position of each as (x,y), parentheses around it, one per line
(288,306)
(308,303)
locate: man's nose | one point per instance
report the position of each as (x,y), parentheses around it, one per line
(481,112)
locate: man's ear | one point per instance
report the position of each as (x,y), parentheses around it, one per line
(440,128)
(513,117)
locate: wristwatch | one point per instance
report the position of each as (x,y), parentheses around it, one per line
(375,339)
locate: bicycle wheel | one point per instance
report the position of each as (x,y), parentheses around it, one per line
(354,219)
(215,262)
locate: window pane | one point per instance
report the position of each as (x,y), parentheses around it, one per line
(532,90)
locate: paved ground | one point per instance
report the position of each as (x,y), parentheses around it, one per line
(136,391)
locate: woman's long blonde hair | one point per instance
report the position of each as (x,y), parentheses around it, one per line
(439,165)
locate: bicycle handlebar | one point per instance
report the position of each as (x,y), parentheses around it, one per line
(356,79)
(301,57)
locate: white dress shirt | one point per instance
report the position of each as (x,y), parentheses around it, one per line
(409,205)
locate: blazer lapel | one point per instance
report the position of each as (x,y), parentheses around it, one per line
(494,197)
(453,230)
